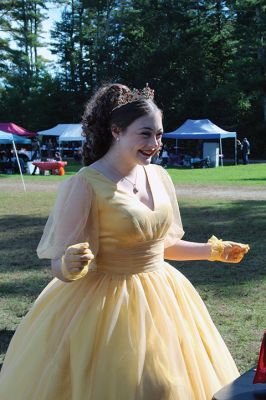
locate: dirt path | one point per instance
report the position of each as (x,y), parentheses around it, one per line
(15,185)
(222,192)
(214,192)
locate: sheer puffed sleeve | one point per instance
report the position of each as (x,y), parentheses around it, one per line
(69,222)
(175,231)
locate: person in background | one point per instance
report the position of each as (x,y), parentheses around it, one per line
(36,153)
(165,157)
(245,151)
(78,155)
(3,156)
(238,151)
(50,149)
(118,322)
(57,156)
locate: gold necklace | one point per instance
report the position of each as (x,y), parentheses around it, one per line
(134,184)
(135,189)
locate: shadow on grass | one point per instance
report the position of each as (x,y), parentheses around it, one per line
(5,338)
(254,179)
(242,221)
(18,243)
(23,272)
(26,286)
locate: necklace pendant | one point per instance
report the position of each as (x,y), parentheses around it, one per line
(135,190)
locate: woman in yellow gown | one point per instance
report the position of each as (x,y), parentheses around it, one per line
(118,322)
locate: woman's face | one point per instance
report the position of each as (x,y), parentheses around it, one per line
(141,140)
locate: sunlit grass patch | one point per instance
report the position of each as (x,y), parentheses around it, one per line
(252,174)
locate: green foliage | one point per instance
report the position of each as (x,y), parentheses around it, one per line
(22,68)
(203,58)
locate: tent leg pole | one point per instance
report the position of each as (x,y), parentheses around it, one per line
(221,153)
(19,166)
(235,152)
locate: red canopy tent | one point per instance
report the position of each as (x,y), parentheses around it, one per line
(10,127)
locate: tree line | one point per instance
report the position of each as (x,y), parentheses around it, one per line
(205,59)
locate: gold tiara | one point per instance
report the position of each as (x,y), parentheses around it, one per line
(134,95)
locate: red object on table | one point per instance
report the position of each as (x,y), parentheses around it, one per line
(50,165)
(260,375)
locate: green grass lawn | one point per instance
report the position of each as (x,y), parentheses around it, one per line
(234,294)
(252,174)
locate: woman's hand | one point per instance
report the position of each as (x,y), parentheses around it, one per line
(227,251)
(75,261)
(234,252)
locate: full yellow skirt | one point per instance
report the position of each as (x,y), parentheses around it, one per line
(145,336)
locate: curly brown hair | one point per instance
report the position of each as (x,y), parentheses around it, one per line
(101,114)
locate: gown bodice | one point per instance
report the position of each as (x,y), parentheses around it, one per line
(130,233)
(125,235)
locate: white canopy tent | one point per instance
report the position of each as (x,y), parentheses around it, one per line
(69,130)
(201,129)
(72,133)
(64,133)
(8,138)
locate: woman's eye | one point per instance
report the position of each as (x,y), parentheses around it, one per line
(146,133)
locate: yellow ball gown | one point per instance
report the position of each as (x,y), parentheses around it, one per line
(134,328)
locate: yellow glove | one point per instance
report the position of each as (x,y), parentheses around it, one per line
(227,251)
(75,262)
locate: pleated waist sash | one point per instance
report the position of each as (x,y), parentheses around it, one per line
(142,257)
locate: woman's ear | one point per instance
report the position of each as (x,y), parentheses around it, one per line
(116,132)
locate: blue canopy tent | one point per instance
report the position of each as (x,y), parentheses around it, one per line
(8,138)
(17,139)
(201,129)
